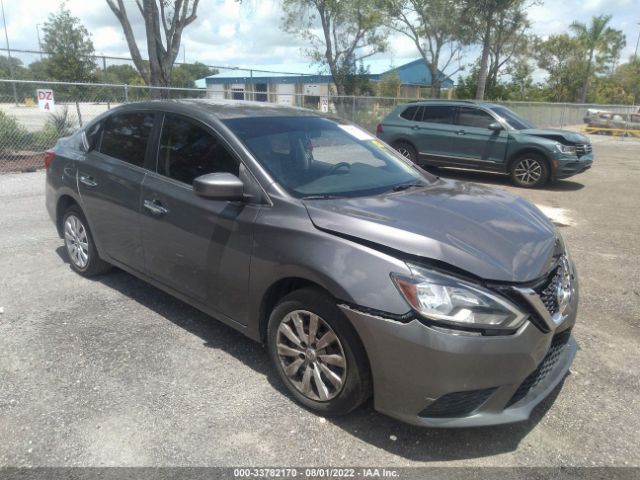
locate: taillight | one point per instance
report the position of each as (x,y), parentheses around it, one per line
(49,155)
(378,129)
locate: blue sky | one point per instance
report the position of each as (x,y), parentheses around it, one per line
(227,33)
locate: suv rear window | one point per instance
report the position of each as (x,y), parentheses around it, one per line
(409,113)
(437,114)
(125,137)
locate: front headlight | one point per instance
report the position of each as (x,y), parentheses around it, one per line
(452,302)
(570,149)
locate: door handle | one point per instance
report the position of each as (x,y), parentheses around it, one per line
(461,132)
(156,207)
(88,181)
(415,127)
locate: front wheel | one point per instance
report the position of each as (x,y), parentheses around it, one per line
(529,171)
(317,353)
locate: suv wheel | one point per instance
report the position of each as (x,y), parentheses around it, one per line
(529,170)
(317,353)
(78,241)
(406,150)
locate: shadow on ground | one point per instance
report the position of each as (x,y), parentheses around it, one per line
(500,179)
(413,443)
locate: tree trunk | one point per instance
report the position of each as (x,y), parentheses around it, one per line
(79,114)
(436,84)
(585,84)
(484,60)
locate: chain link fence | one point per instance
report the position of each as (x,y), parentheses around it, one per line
(26,130)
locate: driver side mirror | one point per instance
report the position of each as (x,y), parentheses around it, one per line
(219,186)
(495,127)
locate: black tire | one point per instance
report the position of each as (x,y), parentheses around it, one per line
(93,265)
(529,170)
(406,150)
(356,385)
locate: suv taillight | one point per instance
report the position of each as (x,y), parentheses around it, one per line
(378,129)
(49,155)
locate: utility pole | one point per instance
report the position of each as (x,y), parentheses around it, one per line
(6,37)
(39,42)
(635,55)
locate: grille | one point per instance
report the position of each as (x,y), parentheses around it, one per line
(548,362)
(457,404)
(549,291)
(583,149)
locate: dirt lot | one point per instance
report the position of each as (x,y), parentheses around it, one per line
(114,372)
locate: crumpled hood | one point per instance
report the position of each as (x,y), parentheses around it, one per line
(563,136)
(487,232)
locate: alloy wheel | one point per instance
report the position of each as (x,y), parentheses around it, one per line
(528,171)
(404,152)
(76,241)
(311,355)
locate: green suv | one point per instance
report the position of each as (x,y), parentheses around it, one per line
(484,136)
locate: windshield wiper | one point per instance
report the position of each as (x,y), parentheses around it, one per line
(406,186)
(321,197)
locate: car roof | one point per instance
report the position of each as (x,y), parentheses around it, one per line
(436,101)
(224,109)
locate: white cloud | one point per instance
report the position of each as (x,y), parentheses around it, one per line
(227,32)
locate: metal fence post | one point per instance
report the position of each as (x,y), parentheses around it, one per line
(353,109)
(126,93)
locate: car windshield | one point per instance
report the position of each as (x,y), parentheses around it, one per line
(513,119)
(315,157)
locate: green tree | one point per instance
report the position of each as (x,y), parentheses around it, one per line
(611,56)
(628,76)
(121,74)
(69,48)
(356,81)
(389,85)
(594,38)
(13,68)
(483,17)
(508,43)
(351,31)
(9,65)
(185,75)
(436,28)
(38,70)
(563,58)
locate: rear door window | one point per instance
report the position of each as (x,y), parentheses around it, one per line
(126,135)
(437,114)
(188,151)
(474,117)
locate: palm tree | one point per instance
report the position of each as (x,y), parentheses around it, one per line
(594,37)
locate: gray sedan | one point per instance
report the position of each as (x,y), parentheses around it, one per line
(450,303)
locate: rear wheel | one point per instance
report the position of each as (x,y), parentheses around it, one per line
(79,244)
(406,150)
(317,353)
(529,170)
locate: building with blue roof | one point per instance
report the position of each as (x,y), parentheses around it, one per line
(285,82)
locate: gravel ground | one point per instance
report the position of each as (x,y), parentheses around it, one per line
(113,372)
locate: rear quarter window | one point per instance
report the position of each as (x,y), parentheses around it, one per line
(409,113)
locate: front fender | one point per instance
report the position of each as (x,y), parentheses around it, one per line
(287,245)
